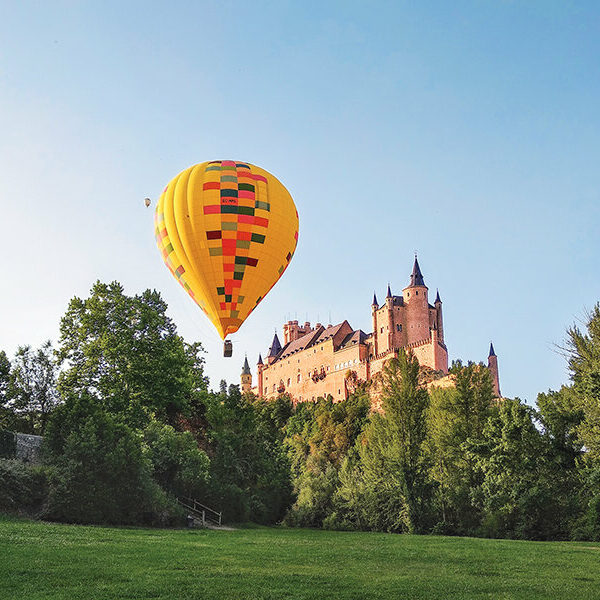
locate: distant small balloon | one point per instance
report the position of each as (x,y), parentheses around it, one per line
(147,202)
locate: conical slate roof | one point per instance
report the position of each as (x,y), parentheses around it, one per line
(389,292)
(260,362)
(275,348)
(375,303)
(492,353)
(416,277)
(246,368)
(437,297)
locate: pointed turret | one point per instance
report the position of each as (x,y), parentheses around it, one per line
(246,377)
(259,371)
(246,367)
(375,303)
(389,292)
(438,316)
(493,367)
(416,277)
(274,350)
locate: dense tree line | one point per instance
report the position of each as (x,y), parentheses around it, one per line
(129,424)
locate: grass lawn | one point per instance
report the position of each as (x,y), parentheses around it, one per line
(51,561)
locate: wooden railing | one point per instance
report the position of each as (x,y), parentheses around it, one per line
(199,510)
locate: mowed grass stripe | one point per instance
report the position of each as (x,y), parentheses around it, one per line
(52,561)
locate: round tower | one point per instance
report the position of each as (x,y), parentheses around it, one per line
(374,309)
(259,372)
(417,306)
(493,367)
(438,315)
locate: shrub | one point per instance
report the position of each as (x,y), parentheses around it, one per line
(99,473)
(23,488)
(178,465)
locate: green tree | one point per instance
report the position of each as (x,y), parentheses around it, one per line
(584,363)
(178,465)
(250,472)
(561,415)
(125,351)
(455,416)
(388,486)
(319,435)
(519,496)
(33,393)
(6,414)
(98,473)
(583,348)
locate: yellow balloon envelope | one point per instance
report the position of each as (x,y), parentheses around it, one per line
(227,231)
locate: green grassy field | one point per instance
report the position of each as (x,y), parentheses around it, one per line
(51,561)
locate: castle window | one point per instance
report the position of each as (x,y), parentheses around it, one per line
(381,330)
(398,327)
(299,377)
(417,292)
(289,381)
(339,391)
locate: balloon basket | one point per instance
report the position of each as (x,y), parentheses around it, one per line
(227,349)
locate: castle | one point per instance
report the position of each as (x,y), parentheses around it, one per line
(322,361)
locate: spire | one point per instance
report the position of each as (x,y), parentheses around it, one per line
(437,297)
(275,348)
(492,353)
(246,368)
(260,362)
(416,277)
(389,292)
(375,303)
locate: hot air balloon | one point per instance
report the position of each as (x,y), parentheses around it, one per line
(227,231)
(147,202)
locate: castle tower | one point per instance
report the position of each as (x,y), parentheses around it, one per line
(259,368)
(374,309)
(493,367)
(439,319)
(417,306)
(246,377)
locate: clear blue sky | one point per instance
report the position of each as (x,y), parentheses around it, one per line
(468,131)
